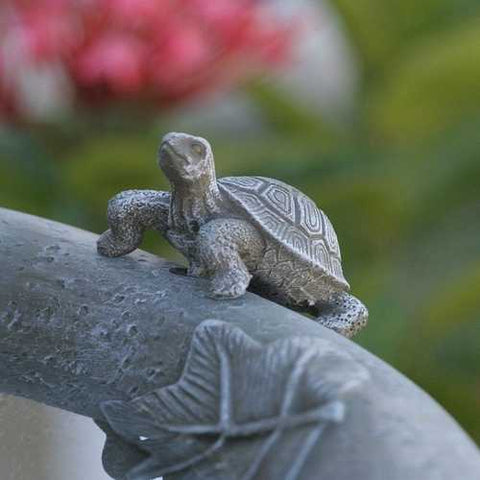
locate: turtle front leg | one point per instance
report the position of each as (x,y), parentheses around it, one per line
(343,313)
(129,213)
(227,249)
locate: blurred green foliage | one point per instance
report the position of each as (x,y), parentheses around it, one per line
(400,182)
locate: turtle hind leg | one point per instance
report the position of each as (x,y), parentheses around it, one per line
(227,248)
(342,313)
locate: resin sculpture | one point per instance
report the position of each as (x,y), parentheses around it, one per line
(239,232)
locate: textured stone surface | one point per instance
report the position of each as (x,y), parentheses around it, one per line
(240,409)
(77,329)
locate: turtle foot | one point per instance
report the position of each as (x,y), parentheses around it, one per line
(343,313)
(229,284)
(109,246)
(196,270)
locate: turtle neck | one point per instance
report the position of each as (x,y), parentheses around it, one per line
(194,203)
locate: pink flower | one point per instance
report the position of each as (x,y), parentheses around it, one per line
(162,50)
(136,14)
(223,18)
(114,61)
(48,32)
(180,55)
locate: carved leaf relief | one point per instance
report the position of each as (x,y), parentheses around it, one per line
(234,406)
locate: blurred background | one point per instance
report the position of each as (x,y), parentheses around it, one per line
(372,108)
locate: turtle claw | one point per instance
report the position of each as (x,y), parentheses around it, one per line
(110,246)
(196,270)
(343,313)
(229,284)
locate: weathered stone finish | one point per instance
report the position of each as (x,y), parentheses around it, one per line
(78,329)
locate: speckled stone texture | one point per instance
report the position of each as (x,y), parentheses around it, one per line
(239,232)
(78,329)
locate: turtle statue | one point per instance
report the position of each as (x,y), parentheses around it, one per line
(239,232)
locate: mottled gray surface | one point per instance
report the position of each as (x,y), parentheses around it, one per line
(77,329)
(237,232)
(239,399)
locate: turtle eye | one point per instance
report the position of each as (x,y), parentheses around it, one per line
(198,149)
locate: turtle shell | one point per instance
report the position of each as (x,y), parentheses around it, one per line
(291,219)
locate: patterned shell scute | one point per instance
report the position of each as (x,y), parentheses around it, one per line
(290,217)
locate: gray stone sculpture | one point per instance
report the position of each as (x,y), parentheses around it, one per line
(79,330)
(238,395)
(239,231)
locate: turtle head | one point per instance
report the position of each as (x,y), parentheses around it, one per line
(185,158)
